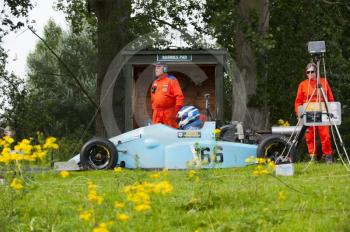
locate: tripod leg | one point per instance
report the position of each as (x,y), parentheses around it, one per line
(333,125)
(300,136)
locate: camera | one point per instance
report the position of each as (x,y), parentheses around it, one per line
(316,47)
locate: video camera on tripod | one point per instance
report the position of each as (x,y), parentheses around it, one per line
(316,47)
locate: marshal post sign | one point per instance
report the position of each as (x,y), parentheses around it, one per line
(174,57)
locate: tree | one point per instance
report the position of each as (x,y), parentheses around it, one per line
(115,29)
(242,27)
(12,14)
(52,101)
(254,32)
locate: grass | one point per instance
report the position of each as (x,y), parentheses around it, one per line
(315,199)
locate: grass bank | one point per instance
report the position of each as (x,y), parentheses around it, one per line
(315,199)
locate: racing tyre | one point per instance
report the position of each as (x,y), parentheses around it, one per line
(272,147)
(98,154)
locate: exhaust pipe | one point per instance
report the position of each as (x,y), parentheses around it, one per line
(285,130)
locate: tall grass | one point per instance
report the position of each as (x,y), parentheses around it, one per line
(315,199)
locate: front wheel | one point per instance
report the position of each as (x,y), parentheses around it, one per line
(277,148)
(98,154)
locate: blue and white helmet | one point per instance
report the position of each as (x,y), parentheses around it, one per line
(188,116)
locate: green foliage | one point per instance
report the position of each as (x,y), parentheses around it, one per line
(292,24)
(68,147)
(307,21)
(52,89)
(13,103)
(50,100)
(3,75)
(212,200)
(12,14)
(78,13)
(221,18)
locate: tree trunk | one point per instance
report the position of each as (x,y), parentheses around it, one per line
(112,36)
(248,62)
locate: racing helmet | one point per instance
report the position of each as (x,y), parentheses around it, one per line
(188,117)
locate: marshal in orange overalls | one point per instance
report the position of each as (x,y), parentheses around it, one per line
(167,99)
(305,90)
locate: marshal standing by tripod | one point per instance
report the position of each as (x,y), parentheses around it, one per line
(308,93)
(317,113)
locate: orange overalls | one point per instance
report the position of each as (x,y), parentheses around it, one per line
(167,99)
(304,94)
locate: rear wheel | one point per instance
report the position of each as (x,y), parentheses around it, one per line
(277,148)
(98,154)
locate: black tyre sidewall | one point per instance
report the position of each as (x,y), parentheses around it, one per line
(84,155)
(275,138)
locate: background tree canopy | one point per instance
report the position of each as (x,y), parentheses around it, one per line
(51,101)
(266,38)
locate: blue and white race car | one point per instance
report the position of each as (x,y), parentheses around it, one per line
(159,146)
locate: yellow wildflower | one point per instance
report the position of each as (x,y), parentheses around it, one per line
(281,122)
(39,154)
(163,187)
(142,207)
(155,175)
(92,194)
(217,132)
(272,164)
(85,215)
(16,157)
(24,146)
(256,173)
(118,170)
(16,184)
(102,227)
(8,140)
(37,147)
(122,217)
(94,198)
(50,143)
(281,196)
(139,198)
(64,174)
(192,173)
(6,151)
(118,205)
(29,157)
(260,170)
(91,186)
(260,160)
(127,189)
(4,159)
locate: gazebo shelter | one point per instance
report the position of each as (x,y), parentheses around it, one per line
(199,72)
